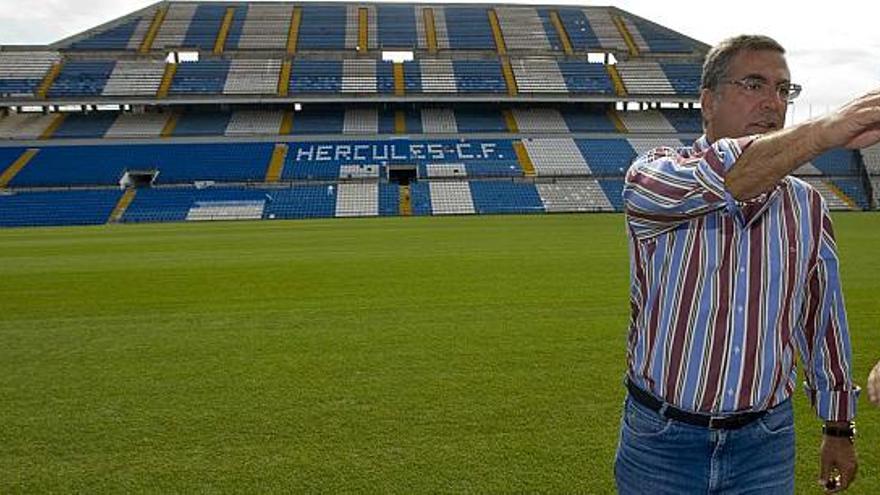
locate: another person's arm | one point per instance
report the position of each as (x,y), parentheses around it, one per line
(874,385)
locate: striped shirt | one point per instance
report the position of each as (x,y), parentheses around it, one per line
(723,292)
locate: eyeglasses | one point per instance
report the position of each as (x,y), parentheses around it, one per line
(755,86)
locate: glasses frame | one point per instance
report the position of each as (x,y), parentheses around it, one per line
(786,92)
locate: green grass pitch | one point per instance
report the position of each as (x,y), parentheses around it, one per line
(390,355)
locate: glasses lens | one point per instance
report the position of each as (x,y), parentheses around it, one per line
(793,90)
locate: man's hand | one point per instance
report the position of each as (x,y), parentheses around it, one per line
(855,125)
(874,385)
(838,456)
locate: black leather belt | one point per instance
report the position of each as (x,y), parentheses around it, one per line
(728,422)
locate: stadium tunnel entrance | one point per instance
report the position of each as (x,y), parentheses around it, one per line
(403,174)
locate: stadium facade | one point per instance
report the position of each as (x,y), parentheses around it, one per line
(280,110)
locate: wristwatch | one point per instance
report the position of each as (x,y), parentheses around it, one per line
(848,431)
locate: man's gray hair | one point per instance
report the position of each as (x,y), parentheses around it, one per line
(718,59)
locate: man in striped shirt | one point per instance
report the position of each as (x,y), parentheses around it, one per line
(734,270)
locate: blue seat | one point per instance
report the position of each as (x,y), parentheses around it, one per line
(82,78)
(88,125)
(468,28)
(205,25)
(173,205)
(235,29)
(838,162)
(420,198)
(397,26)
(474,119)
(310,201)
(319,120)
(8,156)
(479,76)
(389,200)
(491,197)
(322,27)
(116,38)
(580,120)
(684,120)
(660,39)
(607,157)
(550,29)
(854,189)
(202,124)
(684,77)
(613,189)
(204,77)
(57,208)
(316,76)
(176,163)
(582,77)
(580,32)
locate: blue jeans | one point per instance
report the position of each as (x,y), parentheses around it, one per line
(661,456)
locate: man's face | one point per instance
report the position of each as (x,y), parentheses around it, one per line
(735,108)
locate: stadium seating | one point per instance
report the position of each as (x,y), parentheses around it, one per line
(138,125)
(254,122)
(25,125)
(177,163)
(650,37)
(57,207)
(494,197)
(467,28)
(557,157)
(135,78)
(645,78)
(574,195)
(206,77)
(871,158)
(82,78)
(322,27)
(22,72)
(265,27)
(502,109)
(646,121)
(523,28)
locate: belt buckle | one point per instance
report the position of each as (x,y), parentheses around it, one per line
(716,421)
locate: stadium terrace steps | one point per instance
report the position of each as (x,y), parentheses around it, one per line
(644,78)
(451,198)
(135,78)
(556,157)
(21,73)
(266,27)
(604,29)
(652,121)
(25,126)
(122,205)
(357,200)
(579,195)
(871,159)
(834,197)
(254,77)
(18,209)
(254,122)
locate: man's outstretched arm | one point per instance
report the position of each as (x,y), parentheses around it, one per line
(773,156)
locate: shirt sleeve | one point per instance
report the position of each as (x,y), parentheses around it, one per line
(825,343)
(664,189)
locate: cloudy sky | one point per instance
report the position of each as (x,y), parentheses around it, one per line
(833,47)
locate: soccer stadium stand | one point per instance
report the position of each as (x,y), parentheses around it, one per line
(291,110)
(22,72)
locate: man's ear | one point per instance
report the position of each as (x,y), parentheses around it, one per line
(707,103)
